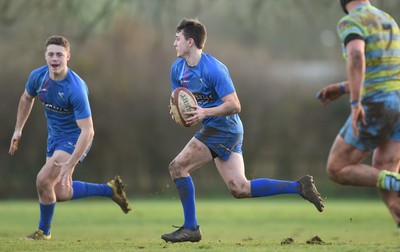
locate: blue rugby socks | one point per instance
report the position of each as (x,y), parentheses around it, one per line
(263,187)
(46,216)
(186,190)
(80,190)
(259,188)
(84,189)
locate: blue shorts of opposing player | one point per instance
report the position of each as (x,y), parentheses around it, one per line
(382,115)
(220,143)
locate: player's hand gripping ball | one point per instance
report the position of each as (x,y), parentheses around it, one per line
(181,101)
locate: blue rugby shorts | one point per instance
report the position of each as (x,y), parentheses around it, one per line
(220,142)
(382,115)
(66,144)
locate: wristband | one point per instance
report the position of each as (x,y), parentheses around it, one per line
(341,85)
(355,102)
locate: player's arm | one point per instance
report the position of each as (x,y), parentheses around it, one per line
(231,105)
(356,72)
(332,92)
(84,140)
(24,109)
(355,68)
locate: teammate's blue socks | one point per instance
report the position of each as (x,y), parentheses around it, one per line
(46,216)
(80,190)
(84,189)
(263,187)
(186,190)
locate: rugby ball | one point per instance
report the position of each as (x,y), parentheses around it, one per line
(181,101)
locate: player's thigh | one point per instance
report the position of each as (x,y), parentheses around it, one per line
(194,155)
(387,156)
(232,170)
(50,172)
(343,154)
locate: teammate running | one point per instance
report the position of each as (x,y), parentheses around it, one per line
(64,96)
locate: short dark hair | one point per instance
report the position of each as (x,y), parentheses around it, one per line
(343,3)
(192,28)
(58,40)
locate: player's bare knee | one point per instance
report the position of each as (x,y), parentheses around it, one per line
(237,194)
(334,174)
(384,163)
(238,191)
(41,183)
(175,169)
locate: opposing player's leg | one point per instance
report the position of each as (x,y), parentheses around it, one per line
(193,156)
(232,171)
(381,136)
(344,166)
(387,157)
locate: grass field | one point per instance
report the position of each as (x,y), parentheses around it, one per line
(227,225)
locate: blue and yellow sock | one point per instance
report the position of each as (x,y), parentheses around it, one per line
(389,181)
(46,216)
(84,189)
(186,190)
(263,187)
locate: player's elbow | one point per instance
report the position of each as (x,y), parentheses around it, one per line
(237,108)
(89,133)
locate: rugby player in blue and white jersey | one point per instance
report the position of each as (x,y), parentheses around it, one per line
(371,45)
(220,139)
(64,96)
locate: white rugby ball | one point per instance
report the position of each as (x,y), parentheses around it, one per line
(181,101)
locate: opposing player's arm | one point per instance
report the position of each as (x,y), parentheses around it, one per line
(332,92)
(24,109)
(355,68)
(356,72)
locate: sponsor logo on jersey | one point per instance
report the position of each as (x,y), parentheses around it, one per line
(54,108)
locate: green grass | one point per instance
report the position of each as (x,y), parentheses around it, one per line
(227,225)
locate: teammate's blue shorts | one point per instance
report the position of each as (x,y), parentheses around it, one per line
(382,115)
(66,144)
(220,143)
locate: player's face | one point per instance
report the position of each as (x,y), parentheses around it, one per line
(57,58)
(181,45)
